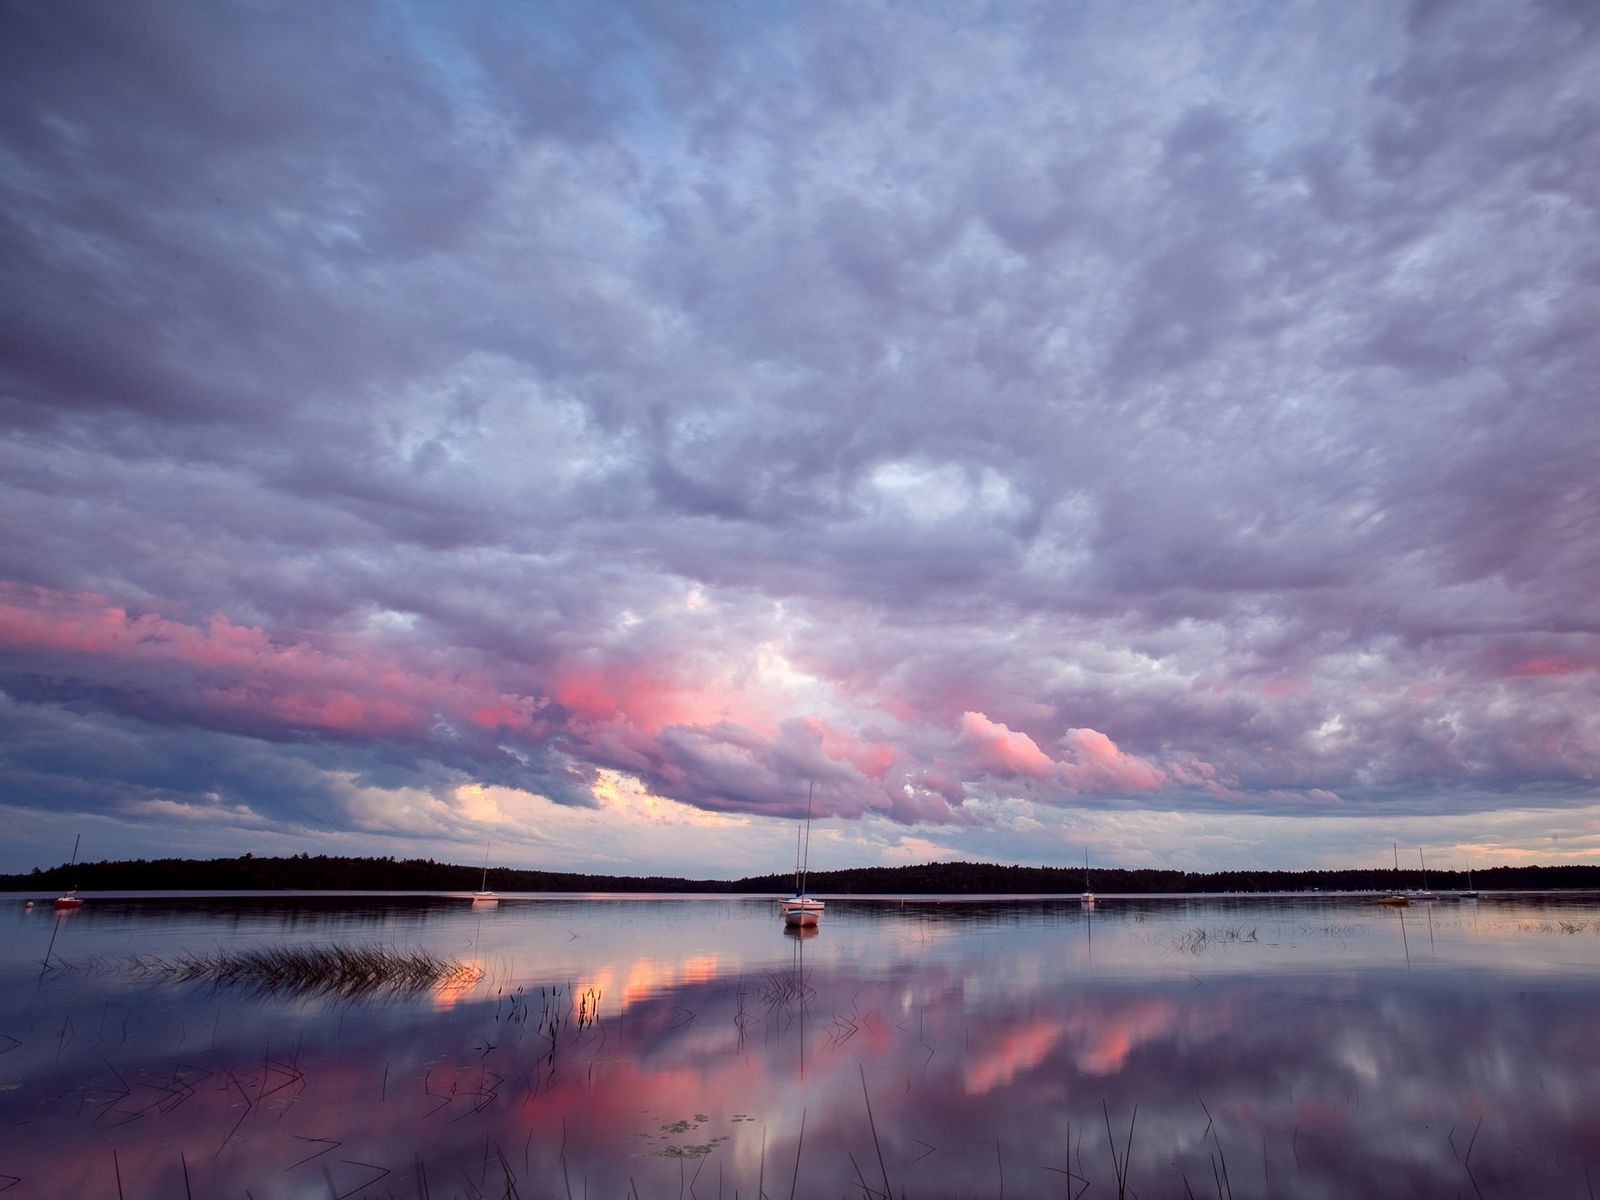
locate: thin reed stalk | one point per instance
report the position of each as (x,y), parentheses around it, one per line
(876,1145)
(1120,1165)
(799,1142)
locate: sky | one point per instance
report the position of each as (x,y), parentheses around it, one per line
(572,435)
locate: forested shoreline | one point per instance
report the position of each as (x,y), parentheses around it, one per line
(305,872)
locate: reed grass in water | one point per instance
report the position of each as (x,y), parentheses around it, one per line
(345,971)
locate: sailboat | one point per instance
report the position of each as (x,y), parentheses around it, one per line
(483,896)
(801,909)
(1423,893)
(68,900)
(1088,896)
(1471,893)
(1395,897)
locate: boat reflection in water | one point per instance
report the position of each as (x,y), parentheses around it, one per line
(621,1047)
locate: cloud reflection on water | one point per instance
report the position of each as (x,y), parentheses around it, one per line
(988,1044)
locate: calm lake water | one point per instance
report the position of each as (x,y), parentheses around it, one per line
(666,1047)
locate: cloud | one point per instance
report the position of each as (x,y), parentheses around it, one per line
(1004,750)
(1079,410)
(226,675)
(1096,764)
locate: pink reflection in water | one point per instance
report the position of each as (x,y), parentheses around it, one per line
(820,1066)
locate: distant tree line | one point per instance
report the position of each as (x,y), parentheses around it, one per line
(305,872)
(973,878)
(321,872)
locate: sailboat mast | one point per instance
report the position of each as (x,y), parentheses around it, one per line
(807,869)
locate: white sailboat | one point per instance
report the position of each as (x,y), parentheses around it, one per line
(483,897)
(68,900)
(801,909)
(1423,893)
(1088,895)
(1471,893)
(1395,898)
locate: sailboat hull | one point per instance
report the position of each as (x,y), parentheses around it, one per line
(802,913)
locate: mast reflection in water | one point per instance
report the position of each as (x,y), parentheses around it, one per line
(672,1046)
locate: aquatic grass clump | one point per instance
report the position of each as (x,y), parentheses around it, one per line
(327,970)
(1199,940)
(1558,927)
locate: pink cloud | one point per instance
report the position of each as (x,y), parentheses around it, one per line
(238,671)
(1092,762)
(1004,750)
(1551,665)
(1195,772)
(870,759)
(685,727)
(1089,761)
(650,696)
(1276,689)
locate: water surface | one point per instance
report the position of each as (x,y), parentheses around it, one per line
(670,1046)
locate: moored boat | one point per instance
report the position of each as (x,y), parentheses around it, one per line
(801,909)
(69,900)
(1396,898)
(1424,892)
(483,897)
